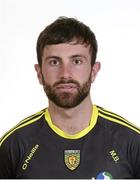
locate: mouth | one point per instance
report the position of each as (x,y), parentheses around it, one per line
(67,86)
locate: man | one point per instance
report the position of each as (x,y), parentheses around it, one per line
(72,138)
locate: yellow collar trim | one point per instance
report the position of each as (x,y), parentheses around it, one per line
(77,135)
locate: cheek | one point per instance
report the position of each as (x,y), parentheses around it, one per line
(84,76)
(49,76)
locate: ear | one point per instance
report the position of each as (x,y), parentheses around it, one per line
(95,69)
(39,73)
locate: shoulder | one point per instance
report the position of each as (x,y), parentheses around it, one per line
(123,134)
(24,129)
(117,123)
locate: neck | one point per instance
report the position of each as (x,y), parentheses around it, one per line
(72,120)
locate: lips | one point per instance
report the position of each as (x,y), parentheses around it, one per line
(66,86)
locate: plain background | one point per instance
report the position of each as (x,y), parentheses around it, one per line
(116,24)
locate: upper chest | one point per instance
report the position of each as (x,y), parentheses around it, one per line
(51,156)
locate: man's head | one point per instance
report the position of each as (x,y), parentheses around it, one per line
(65,30)
(66,52)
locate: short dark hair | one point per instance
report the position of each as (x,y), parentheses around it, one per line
(64,30)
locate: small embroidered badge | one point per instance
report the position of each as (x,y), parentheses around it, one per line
(72,159)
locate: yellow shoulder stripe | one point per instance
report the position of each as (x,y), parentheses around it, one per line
(30,117)
(23,123)
(118,119)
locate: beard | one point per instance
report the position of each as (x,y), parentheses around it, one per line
(68,99)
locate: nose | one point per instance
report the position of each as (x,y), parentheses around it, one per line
(65,71)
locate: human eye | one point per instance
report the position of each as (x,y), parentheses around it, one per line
(77,61)
(54,62)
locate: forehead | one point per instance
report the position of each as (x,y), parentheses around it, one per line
(66,49)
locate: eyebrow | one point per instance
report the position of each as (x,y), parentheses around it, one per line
(52,57)
(78,55)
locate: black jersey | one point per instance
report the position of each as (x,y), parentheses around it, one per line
(36,148)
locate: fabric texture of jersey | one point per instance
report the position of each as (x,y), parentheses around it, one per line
(37,149)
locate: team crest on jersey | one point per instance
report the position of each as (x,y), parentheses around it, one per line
(72,158)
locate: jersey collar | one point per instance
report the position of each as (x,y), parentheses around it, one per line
(77,135)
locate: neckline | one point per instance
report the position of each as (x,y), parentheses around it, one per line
(78,135)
